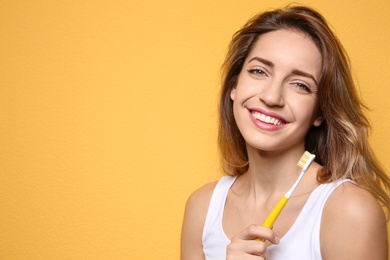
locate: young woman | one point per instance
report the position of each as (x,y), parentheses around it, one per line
(288,88)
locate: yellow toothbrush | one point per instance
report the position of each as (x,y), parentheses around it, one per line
(304,163)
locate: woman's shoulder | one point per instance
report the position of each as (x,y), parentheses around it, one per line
(354,201)
(197,206)
(194,219)
(353,224)
(201,197)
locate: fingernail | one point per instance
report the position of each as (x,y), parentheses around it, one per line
(277,240)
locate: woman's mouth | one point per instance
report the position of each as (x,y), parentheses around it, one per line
(267,119)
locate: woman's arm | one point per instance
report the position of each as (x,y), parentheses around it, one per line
(194,219)
(353,226)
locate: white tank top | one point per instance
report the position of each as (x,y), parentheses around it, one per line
(301,242)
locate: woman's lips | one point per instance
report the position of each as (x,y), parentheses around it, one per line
(268,118)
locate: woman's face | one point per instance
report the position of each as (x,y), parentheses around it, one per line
(274,102)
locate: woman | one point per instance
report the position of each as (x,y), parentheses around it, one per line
(288,88)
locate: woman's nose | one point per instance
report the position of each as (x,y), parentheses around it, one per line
(272,94)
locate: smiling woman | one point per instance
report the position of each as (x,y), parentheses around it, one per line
(288,88)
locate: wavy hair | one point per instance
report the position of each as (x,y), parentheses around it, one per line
(341,142)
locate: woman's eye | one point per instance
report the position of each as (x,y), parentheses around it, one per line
(303,87)
(257,72)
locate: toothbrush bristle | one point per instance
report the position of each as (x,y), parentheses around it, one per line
(305,157)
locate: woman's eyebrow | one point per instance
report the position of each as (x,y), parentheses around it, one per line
(266,62)
(304,74)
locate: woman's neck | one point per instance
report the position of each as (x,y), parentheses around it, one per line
(271,173)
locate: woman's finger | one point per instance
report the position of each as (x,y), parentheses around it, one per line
(259,232)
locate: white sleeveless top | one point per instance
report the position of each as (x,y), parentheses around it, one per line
(301,242)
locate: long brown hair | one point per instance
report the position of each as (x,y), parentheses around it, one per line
(341,141)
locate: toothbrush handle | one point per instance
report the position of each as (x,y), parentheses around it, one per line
(269,222)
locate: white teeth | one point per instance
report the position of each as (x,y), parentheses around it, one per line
(266,119)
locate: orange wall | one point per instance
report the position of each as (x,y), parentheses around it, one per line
(108,116)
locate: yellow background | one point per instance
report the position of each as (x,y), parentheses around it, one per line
(108,116)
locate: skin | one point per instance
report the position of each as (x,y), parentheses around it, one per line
(279,78)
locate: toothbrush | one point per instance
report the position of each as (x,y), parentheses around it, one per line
(304,163)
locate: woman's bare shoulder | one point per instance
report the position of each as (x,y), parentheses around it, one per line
(349,200)
(194,219)
(198,202)
(353,225)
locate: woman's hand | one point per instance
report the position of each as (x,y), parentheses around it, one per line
(250,243)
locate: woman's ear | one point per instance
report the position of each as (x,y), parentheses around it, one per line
(318,121)
(233,93)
